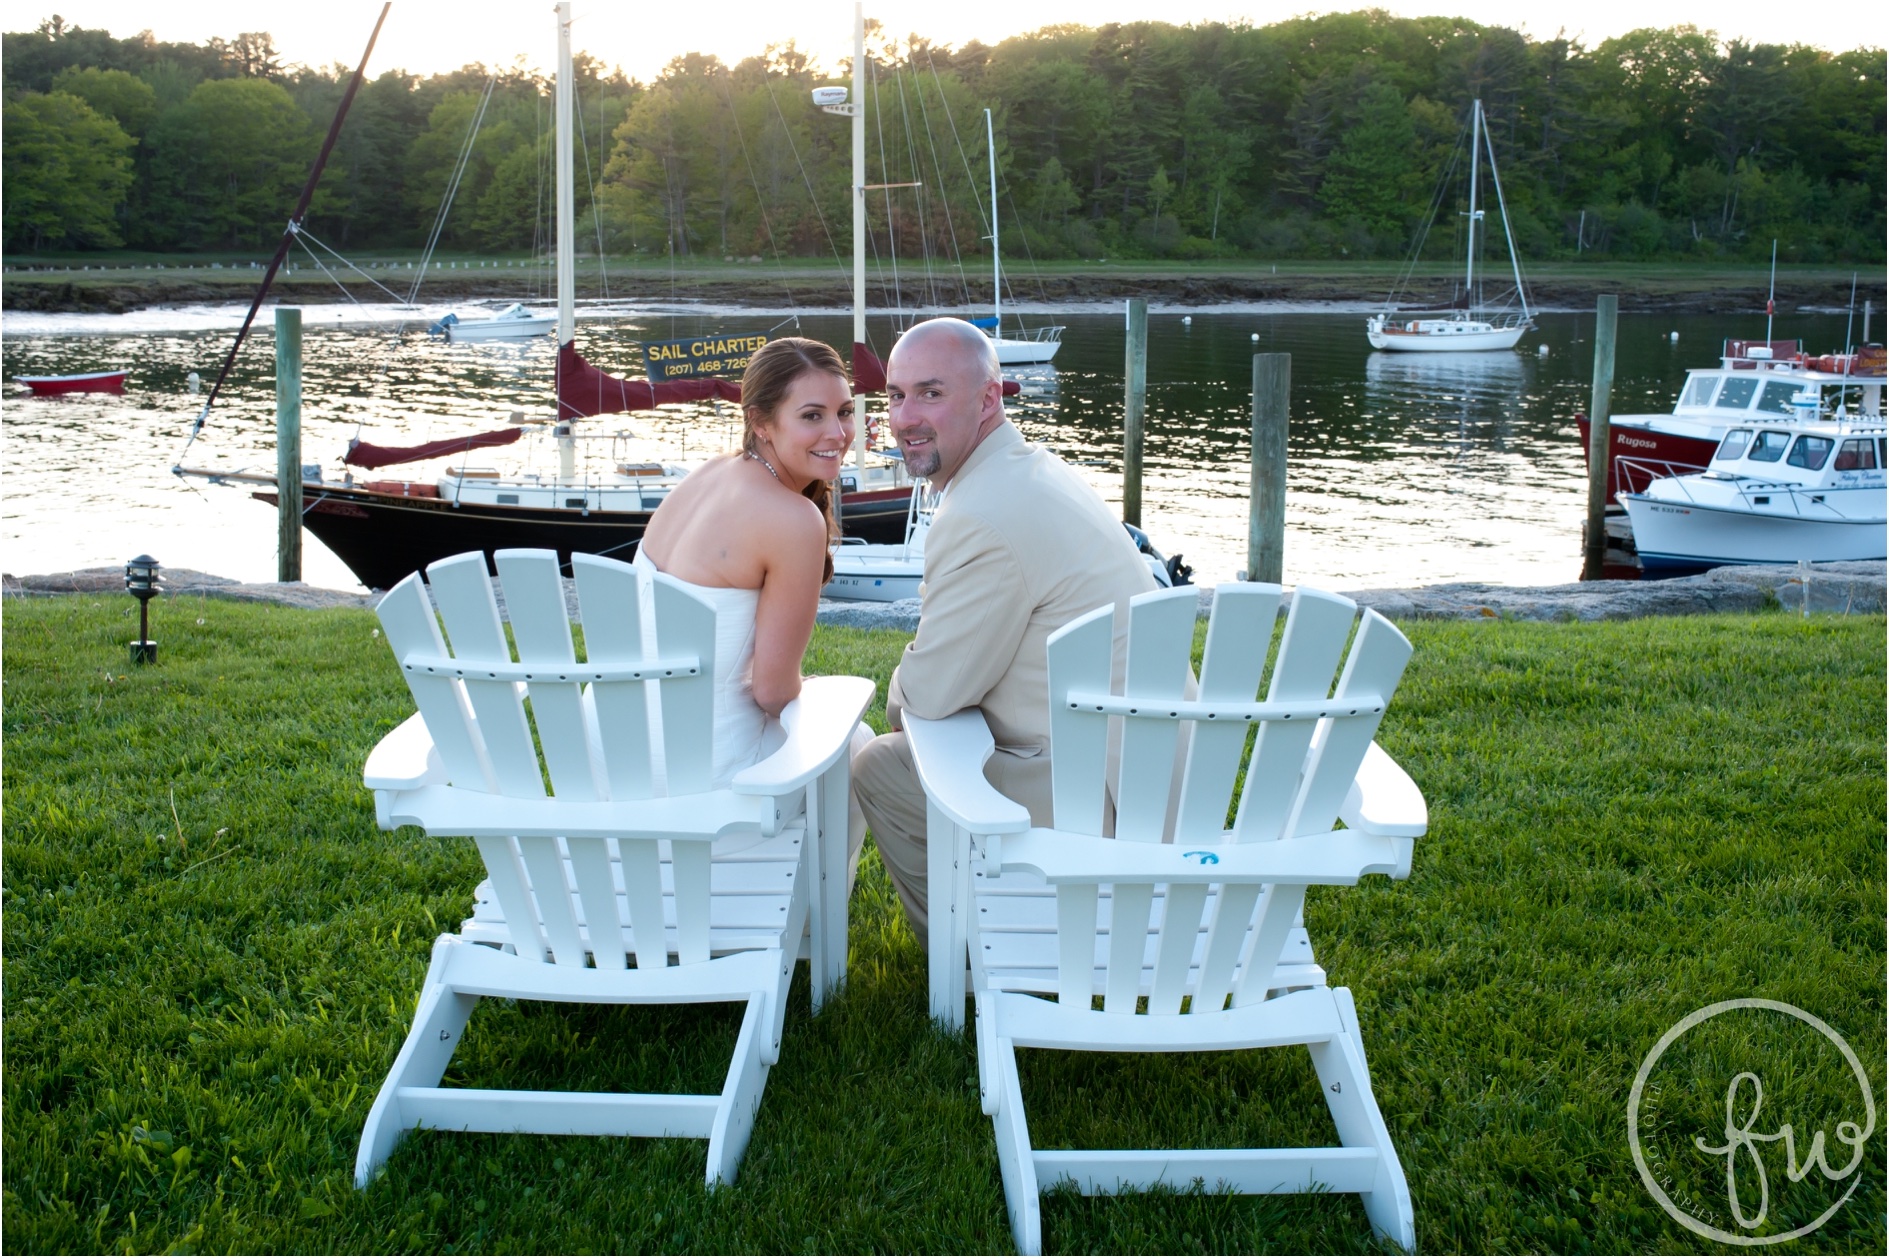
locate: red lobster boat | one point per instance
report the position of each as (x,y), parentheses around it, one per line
(94,382)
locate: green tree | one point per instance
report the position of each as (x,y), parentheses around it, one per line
(117,94)
(1368,179)
(67,169)
(228,164)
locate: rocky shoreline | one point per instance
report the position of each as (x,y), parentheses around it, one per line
(62,293)
(1839,588)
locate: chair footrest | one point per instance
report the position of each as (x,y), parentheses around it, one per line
(557,1113)
(1101,1172)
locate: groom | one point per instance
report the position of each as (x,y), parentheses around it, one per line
(1019,547)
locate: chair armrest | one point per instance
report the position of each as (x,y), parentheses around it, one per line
(456,811)
(404,758)
(819,727)
(1383,799)
(950,754)
(1338,858)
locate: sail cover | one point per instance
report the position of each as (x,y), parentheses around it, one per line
(584,390)
(368,455)
(868,371)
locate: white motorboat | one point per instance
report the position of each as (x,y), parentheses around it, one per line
(1776,491)
(1476,326)
(512,323)
(886,572)
(1753,383)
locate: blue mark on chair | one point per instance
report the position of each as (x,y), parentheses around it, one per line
(1206,858)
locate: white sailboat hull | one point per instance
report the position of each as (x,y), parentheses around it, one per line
(1018,353)
(1442,336)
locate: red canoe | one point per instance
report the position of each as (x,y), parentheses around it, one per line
(96,382)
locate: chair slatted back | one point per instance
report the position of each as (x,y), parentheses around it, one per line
(505,725)
(1221,940)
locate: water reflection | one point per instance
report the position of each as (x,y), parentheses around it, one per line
(1405,469)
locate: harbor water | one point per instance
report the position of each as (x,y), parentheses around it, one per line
(1405,469)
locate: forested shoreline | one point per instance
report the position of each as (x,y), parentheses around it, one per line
(1312,138)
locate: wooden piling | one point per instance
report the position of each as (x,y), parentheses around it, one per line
(1266,511)
(1134,408)
(1599,437)
(288,442)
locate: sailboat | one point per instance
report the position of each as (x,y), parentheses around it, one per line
(1031,345)
(384,529)
(1475,326)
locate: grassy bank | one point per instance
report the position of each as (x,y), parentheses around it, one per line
(123,281)
(212,955)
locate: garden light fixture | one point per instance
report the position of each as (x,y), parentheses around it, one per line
(141,582)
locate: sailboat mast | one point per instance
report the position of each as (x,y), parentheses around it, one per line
(996,256)
(1475,168)
(566,175)
(859,207)
(1770,298)
(1508,232)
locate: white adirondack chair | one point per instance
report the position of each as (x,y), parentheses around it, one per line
(619,885)
(1189,931)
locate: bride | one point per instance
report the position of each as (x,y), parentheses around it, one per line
(752,534)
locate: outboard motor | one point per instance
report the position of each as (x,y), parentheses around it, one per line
(439,328)
(1169,571)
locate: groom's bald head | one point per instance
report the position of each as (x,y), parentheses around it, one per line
(945,390)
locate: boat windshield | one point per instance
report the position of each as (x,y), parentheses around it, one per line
(1699,392)
(1768,447)
(1736,395)
(1733,447)
(1857,455)
(1777,396)
(1810,452)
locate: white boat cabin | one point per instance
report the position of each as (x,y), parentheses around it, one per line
(1828,455)
(1760,382)
(628,487)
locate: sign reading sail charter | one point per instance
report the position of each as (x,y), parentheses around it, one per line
(695,356)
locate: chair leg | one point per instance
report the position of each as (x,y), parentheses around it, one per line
(1015,1158)
(437,1023)
(799,915)
(740,1095)
(1345,1079)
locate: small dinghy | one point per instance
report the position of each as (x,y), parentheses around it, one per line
(93,382)
(882,572)
(510,323)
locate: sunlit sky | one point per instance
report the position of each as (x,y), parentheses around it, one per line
(428,36)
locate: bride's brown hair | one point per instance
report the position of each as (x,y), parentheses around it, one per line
(771,372)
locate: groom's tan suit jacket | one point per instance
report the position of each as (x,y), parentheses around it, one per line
(1019,547)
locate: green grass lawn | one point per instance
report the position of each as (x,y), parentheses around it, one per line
(212,955)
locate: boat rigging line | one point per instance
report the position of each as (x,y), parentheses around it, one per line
(289,232)
(303,236)
(1411,261)
(452,189)
(760,201)
(891,224)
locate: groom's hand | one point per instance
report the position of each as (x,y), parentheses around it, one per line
(894,704)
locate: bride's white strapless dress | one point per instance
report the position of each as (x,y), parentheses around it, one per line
(743,732)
